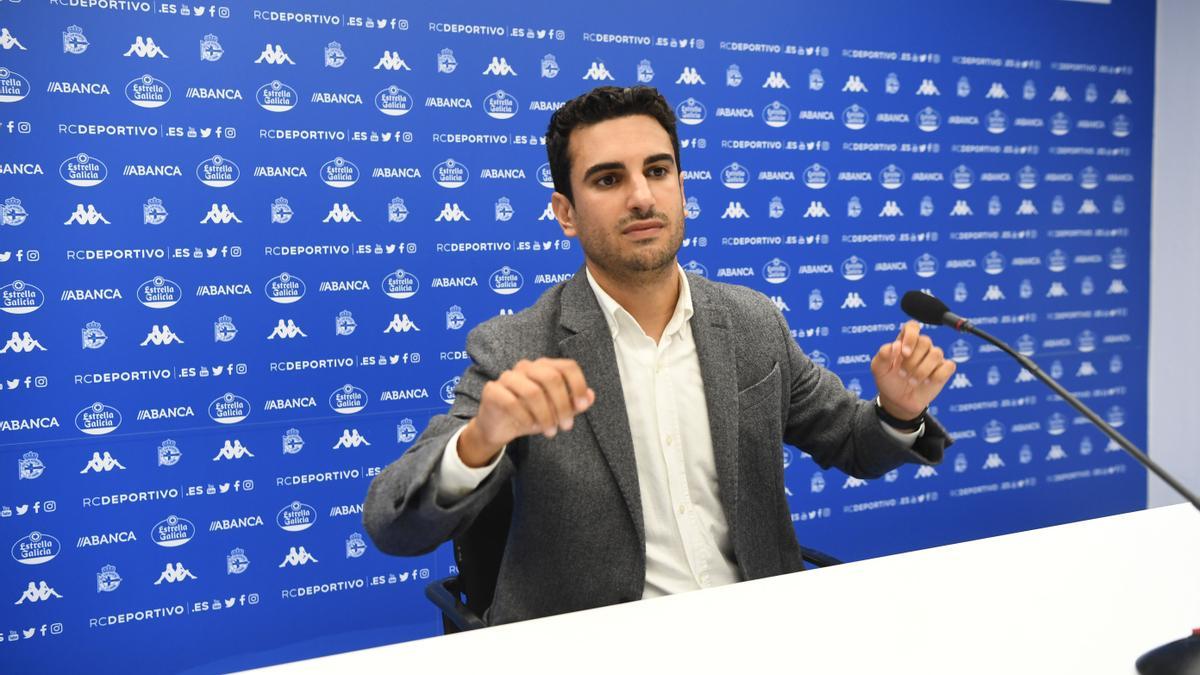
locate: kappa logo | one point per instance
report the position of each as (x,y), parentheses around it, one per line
(37,592)
(400,323)
(21,343)
(816,210)
(234,450)
(597,71)
(161,336)
(145,49)
(390,61)
(274,55)
(499,66)
(854,84)
(174,574)
(86,216)
(890,210)
(1121,97)
(993,293)
(996,91)
(1027,208)
(1056,453)
(776,80)
(548,212)
(853,301)
(961,208)
(451,212)
(1086,369)
(1060,94)
(74,41)
(960,381)
(101,463)
(351,439)
(993,461)
(297,557)
(286,330)
(1116,287)
(341,213)
(928,88)
(211,49)
(221,214)
(734,210)
(645,73)
(852,482)
(689,75)
(1088,208)
(8,41)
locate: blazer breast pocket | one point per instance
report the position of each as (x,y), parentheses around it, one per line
(765,389)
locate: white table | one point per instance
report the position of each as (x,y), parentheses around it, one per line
(1087,598)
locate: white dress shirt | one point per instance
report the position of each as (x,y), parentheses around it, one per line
(687,537)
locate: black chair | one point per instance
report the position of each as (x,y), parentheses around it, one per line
(464,597)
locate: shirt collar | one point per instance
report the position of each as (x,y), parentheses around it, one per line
(615,314)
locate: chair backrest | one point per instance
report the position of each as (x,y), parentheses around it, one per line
(479,550)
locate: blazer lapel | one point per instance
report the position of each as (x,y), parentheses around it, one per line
(589,343)
(711,331)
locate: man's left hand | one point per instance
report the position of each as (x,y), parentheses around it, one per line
(910,372)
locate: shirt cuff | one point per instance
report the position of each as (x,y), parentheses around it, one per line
(905,438)
(454,479)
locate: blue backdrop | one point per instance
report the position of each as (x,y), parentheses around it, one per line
(241,249)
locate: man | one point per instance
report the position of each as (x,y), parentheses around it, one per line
(636,412)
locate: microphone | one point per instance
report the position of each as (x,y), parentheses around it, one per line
(928,309)
(1181,656)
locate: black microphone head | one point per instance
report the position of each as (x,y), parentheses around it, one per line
(924,308)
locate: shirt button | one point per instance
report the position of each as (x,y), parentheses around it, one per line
(669,439)
(682,509)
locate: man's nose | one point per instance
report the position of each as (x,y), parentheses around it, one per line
(641,198)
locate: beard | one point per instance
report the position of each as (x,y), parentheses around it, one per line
(634,261)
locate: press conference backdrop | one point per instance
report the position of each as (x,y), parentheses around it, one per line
(242,247)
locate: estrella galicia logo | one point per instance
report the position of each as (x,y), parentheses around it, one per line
(816,177)
(36,548)
(891,177)
(148,91)
(735,176)
(218,172)
(347,399)
(819,358)
(451,174)
(776,271)
(993,263)
(1027,177)
(691,112)
(500,105)
(339,172)
(854,268)
(776,115)
(159,293)
(855,117)
(83,170)
(1120,126)
(13,86)
(284,289)
(993,431)
(296,517)
(393,101)
(928,119)
(400,285)
(962,177)
(506,281)
(446,391)
(173,531)
(693,267)
(544,176)
(98,419)
(1089,178)
(276,96)
(1060,124)
(20,297)
(997,122)
(1056,260)
(926,266)
(229,408)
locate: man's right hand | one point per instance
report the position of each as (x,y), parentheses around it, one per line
(535,397)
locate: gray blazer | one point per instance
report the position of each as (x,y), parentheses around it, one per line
(576,539)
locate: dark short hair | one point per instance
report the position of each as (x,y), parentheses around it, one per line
(598,105)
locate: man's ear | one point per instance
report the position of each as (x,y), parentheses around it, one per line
(564,211)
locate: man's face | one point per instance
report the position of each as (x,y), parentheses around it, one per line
(628,210)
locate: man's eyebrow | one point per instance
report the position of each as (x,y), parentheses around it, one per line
(603,166)
(661,157)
